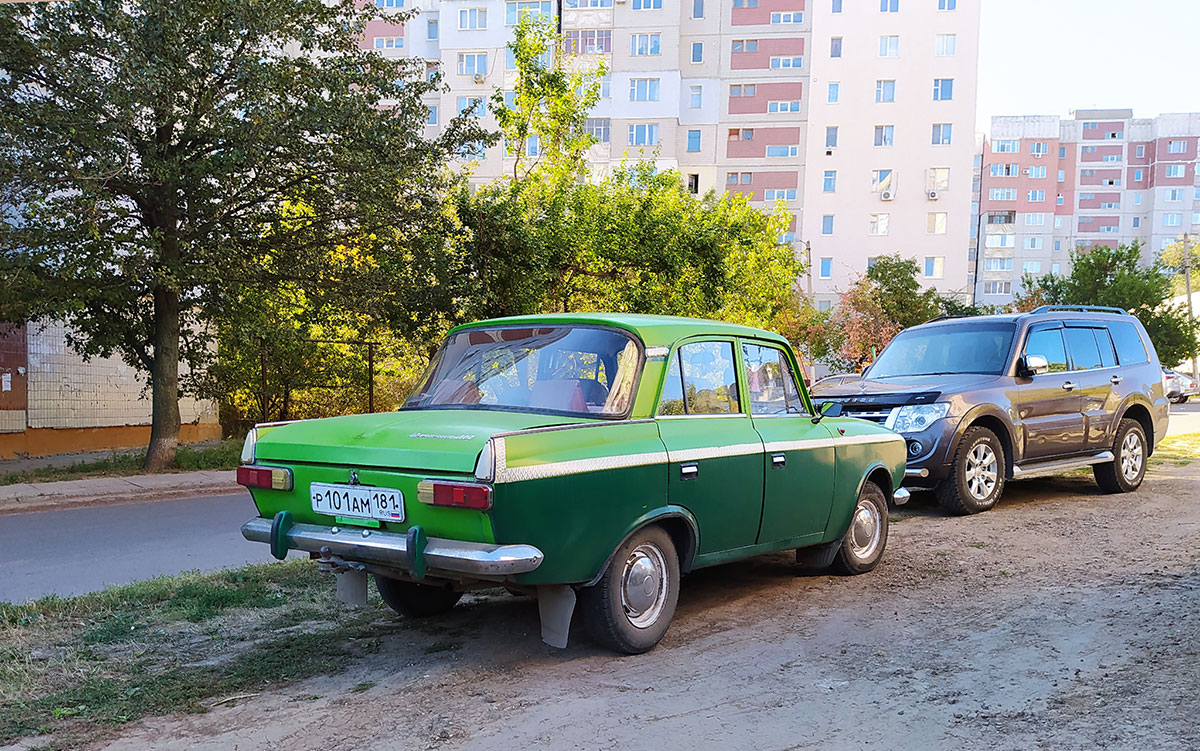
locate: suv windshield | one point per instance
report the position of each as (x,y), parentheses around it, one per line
(576,370)
(953,348)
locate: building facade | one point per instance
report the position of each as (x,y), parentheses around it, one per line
(1102,177)
(857,115)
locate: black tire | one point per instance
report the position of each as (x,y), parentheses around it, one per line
(865,539)
(415,600)
(1183,399)
(1125,472)
(608,620)
(972,487)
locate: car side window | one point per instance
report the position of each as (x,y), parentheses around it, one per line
(770,381)
(1108,355)
(1085,354)
(1130,349)
(707,385)
(1049,344)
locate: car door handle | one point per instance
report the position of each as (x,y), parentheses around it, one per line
(689,471)
(778,460)
(1116,380)
(1068,386)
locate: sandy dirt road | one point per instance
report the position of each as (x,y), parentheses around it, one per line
(1062,619)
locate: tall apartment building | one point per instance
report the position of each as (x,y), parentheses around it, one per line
(1102,177)
(857,114)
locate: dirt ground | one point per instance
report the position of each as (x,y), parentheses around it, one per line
(1062,619)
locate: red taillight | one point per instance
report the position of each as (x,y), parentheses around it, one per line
(275,478)
(455,494)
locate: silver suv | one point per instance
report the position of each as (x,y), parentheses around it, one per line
(980,400)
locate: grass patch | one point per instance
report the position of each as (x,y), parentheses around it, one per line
(1176,450)
(224,455)
(72,668)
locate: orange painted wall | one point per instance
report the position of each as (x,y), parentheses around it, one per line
(49,441)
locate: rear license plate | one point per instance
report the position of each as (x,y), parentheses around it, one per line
(361,501)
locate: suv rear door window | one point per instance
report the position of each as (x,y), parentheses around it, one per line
(1085,355)
(1049,344)
(1130,350)
(1108,356)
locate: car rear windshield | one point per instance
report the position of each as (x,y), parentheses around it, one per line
(575,370)
(954,348)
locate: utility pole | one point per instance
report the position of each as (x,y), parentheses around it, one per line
(1187,283)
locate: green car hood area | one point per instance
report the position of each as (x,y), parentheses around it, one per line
(437,440)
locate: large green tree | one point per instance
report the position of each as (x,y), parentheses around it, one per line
(149,151)
(1117,277)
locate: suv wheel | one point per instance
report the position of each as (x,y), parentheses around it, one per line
(1128,467)
(977,476)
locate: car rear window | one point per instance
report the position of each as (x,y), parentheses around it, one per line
(1130,349)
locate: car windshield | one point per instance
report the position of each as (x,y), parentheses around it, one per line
(940,350)
(576,370)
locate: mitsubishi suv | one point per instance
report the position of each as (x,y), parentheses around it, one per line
(985,399)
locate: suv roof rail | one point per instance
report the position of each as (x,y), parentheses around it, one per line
(945,318)
(1080,308)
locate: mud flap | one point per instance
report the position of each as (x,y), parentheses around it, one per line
(352,587)
(556,603)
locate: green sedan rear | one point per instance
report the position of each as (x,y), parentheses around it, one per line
(588,457)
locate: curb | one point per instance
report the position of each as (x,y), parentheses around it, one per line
(31,497)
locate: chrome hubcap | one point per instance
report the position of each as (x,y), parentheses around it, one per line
(981,472)
(866,530)
(644,585)
(1131,456)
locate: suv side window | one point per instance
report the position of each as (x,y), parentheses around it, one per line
(1085,355)
(1049,344)
(704,385)
(1108,356)
(770,381)
(1130,349)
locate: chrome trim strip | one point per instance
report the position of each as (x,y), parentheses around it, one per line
(505,473)
(855,439)
(694,417)
(714,452)
(391,549)
(599,423)
(809,443)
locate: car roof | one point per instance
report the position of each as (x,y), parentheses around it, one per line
(654,331)
(1034,316)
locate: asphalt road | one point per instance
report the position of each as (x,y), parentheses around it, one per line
(73,551)
(1185,418)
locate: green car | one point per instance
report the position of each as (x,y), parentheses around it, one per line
(589,456)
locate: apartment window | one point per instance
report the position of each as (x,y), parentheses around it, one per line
(472,18)
(787,17)
(1037,172)
(885,91)
(826,268)
(1112,228)
(647,4)
(697,8)
(775,107)
(645,44)
(881,180)
(942,133)
(945,45)
(943,89)
(1037,148)
(587,3)
(1009,146)
(889,46)
(1037,195)
(1086,150)
(947,4)
(885,135)
(997,288)
(1141,150)
(827,224)
(740,90)
(510,59)
(999,241)
(389,3)
(1172,219)
(697,52)
(1058,222)
(431,29)
(1062,176)
(781,150)
(1002,194)
(745,3)
(1062,152)
(468,151)
(389,43)
(836,6)
(643,89)
(889,6)
(1174,170)
(741,134)
(779,194)
(1110,205)
(587,41)
(1032,267)
(1054,268)
(431,118)
(1137,199)
(471,106)
(997,264)
(830,181)
(1004,169)
(745,45)
(1176,147)
(1086,197)
(1111,181)
(1138,175)
(693,140)
(1058,246)
(1195,217)
(695,97)
(835,47)
(938,178)
(1033,243)
(513,11)
(1035,219)
(1173,194)
(1087,173)
(831,133)
(779,63)
(643,134)
(934,267)
(1112,157)
(878,224)
(936,222)
(1137,222)
(831,96)
(599,128)
(472,63)
(693,183)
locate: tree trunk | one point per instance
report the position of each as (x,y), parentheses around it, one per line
(164,381)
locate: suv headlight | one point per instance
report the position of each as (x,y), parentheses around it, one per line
(248,446)
(914,418)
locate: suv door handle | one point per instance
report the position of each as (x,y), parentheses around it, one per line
(1069,386)
(1116,380)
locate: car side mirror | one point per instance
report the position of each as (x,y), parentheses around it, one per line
(827,409)
(1032,365)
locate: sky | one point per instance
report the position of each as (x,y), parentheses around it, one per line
(1034,57)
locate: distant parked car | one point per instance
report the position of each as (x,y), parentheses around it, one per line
(1179,386)
(980,400)
(597,456)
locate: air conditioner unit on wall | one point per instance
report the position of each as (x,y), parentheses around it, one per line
(479,78)
(886,195)
(933,195)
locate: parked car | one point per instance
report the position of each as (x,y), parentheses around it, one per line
(981,400)
(598,456)
(1180,386)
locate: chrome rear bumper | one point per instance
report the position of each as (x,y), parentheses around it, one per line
(391,549)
